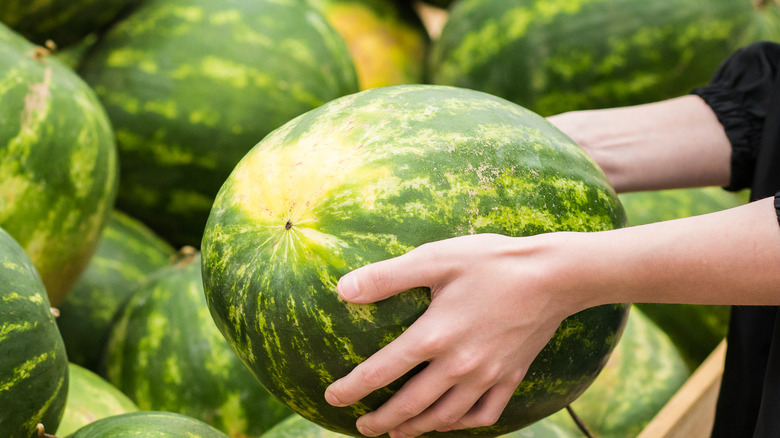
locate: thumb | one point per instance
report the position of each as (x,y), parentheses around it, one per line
(384,279)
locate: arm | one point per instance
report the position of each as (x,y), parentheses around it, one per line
(669,144)
(527,286)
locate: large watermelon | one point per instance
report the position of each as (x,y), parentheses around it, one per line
(127,253)
(556,56)
(386,39)
(62,21)
(371,176)
(33,362)
(695,329)
(90,398)
(58,164)
(148,424)
(191,85)
(166,354)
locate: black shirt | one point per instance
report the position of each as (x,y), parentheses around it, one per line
(744,93)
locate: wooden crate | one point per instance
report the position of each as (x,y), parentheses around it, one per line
(691,411)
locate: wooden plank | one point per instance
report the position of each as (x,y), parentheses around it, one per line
(691,412)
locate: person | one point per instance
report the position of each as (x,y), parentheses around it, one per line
(497,300)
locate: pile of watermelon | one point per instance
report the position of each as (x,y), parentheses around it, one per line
(182,183)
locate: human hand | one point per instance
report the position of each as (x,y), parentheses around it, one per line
(493,307)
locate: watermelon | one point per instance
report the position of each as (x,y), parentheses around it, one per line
(33,362)
(371,176)
(58,162)
(642,374)
(128,251)
(560,56)
(62,21)
(695,329)
(386,38)
(90,398)
(166,354)
(148,424)
(191,85)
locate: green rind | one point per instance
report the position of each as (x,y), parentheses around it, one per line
(166,354)
(33,362)
(643,373)
(128,252)
(192,85)
(371,176)
(563,55)
(62,21)
(58,163)
(148,425)
(695,329)
(90,398)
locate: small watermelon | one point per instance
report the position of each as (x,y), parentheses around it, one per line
(371,176)
(33,362)
(166,354)
(148,424)
(128,251)
(58,162)
(90,398)
(191,85)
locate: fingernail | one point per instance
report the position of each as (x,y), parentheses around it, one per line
(331,398)
(364,430)
(348,287)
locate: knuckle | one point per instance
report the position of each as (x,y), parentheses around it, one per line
(464,365)
(381,278)
(445,417)
(371,376)
(406,408)
(432,343)
(486,418)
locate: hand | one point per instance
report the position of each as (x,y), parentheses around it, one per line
(493,308)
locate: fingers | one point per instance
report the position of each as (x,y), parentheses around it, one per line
(383,279)
(383,367)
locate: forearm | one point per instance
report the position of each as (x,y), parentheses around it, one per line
(669,144)
(729,257)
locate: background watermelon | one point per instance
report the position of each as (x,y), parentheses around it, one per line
(62,21)
(127,253)
(553,57)
(58,163)
(191,85)
(33,362)
(148,424)
(386,39)
(90,398)
(371,176)
(166,354)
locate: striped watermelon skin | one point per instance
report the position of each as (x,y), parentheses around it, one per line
(149,424)
(695,329)
(58,163)
(640,377)
(386,38)
(33,362)
(371,176)
(127,253)
(62,21)
(90,398)
(191,85)
(566,55)
(166,354)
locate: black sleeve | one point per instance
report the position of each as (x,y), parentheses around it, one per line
(739,94)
